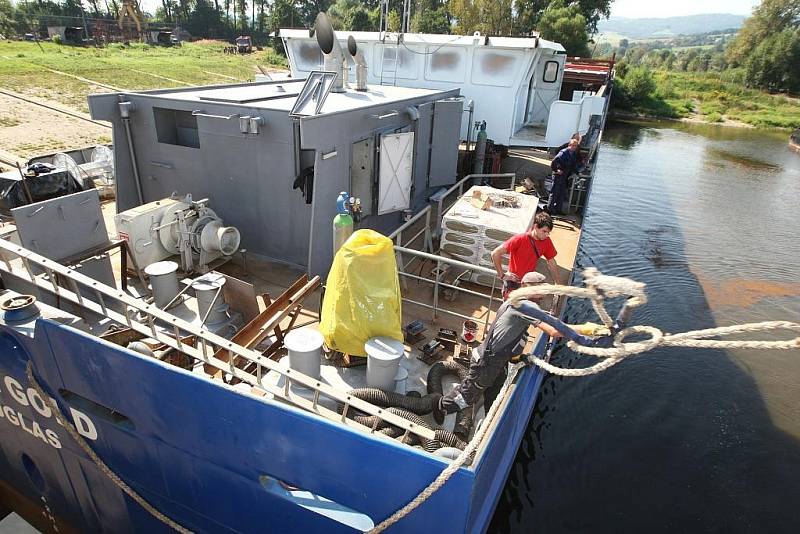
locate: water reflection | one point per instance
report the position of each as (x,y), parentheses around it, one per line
(687,440)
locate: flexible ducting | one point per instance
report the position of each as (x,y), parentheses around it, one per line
(439,370)
(378,397)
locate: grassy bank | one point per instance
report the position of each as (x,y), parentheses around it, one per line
(135,67)
(716,98)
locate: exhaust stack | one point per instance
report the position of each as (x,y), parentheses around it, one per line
(335,60)
(361,64)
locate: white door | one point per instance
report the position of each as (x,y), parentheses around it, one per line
(395,172)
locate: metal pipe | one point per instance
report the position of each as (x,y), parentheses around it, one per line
(125,109)
(451,286)
(457,263)
(471,108)
(436,289)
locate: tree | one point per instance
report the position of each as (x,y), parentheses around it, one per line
(529,13)
(566,25)
(637,86)
(284,14)
(467,15)
(7,26)
(775,63)
(769,18)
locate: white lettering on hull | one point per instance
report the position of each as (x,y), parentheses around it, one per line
(29,397)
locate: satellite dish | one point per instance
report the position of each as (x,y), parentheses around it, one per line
(324,32)
(352,47)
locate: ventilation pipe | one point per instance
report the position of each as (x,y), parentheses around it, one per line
(334,57)
(361,64)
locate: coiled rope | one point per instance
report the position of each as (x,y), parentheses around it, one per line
(598,288)
(96,459)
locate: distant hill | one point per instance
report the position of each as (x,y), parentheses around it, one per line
(670,26)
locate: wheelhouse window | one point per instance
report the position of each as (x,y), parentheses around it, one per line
(550,72)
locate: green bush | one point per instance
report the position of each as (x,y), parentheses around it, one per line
(714,117)
(638,85)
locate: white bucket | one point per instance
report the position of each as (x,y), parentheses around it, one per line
(164,281)
(383,359)
(305,350)
(400,381)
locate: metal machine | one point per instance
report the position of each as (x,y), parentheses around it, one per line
(157,230)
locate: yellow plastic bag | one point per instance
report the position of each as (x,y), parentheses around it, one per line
(362,296)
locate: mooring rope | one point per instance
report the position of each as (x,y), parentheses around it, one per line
(61,418)
(456,464)
(598,288)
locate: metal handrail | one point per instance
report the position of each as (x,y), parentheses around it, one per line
(206,343)
(438,283)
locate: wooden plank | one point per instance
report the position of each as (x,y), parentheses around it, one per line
(259,328)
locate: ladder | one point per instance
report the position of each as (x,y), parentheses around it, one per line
(172,331)
(391,58)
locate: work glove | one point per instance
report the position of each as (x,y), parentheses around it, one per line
(591,329)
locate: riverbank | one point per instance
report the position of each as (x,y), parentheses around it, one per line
(67,74)
(715,98)
(624,115)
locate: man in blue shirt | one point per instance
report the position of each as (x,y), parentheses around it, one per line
(563,165)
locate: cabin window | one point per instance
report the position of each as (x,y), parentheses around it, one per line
(445,64)
(396,62)
(496,68)
(176,127)
(550,74)
(307,54)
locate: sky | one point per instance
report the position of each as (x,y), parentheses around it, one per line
(675,8)
(638,8)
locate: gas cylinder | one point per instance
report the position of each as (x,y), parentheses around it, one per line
(342,223)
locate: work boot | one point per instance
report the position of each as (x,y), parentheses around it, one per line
(438,411)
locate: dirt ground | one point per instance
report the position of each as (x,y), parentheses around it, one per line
(27,130)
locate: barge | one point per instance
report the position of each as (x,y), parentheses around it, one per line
(224,200)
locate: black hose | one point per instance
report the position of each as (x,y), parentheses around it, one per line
(418,405)
(439,370)
(442,437)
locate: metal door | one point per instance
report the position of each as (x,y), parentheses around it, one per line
(444,141)
(395,171)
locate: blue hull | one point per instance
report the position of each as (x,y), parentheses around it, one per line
(209,457)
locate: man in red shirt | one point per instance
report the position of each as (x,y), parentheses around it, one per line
(524,252)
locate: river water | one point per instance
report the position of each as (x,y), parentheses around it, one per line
(679,439)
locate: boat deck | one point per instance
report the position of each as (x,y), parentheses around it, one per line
(260,282)
(271,279)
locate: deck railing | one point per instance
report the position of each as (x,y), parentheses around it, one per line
(172,331)
(426,253)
